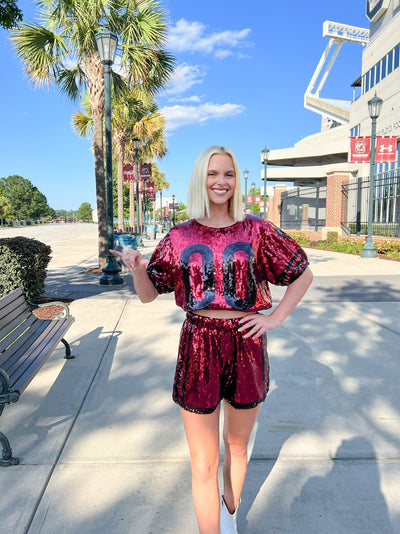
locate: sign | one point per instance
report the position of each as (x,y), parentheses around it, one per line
(128,172)
(173,206)
(145,171)
(257,199)
(152,197)
(376,8)
(360,149)
(386,149)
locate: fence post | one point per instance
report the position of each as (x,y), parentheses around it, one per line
(335,201)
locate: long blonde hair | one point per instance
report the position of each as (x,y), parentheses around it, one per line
(198,202)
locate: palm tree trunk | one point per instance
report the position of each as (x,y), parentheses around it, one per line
(119,152)
(100,188)
(95,73)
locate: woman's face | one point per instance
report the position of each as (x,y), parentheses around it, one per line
(221,179)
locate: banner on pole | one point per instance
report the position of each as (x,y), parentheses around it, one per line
(360,149)
(145,171)
(128,172)
(386,149)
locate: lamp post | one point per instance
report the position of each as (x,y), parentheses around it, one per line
(253,185)
(374,109)
(246,175)
(264,161)
(173,210)
(107,46)
(136,147)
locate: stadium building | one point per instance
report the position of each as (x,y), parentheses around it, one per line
(329,191)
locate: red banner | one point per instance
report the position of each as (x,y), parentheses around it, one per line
(145,171)
(128,172)
(360,149)
(386,149)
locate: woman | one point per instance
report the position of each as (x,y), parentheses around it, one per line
(219,264)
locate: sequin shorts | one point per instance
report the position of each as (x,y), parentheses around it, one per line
(216,362)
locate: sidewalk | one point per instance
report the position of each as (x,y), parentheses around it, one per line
(102,446)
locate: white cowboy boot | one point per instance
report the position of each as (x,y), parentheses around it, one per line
(227,520)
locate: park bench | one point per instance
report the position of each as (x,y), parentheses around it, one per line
(26,342)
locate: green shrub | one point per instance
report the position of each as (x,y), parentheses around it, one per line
(301,238)
(331,237)
(23,263)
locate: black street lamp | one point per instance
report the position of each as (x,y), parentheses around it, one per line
(254,194)
(107,46)
(173,210)
(246,175)
(374,110)
(136,148)
(264,161)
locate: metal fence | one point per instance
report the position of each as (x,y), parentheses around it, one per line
(386,205)
(303,208)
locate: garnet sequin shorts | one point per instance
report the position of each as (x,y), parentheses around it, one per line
(216,362)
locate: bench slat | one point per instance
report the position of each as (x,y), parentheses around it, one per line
(41,350)
(9,313)
(17,328)
(11,356)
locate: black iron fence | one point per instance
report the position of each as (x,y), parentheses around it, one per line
(386,205)
(303,208)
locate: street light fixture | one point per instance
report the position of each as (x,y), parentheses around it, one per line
(253,185)
(374,110)
(136,148)
(246,175)
(173,210)
(107,47)
(264,161)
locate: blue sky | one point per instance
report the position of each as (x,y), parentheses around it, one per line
(240,81)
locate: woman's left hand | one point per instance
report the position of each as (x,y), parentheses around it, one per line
(257,324)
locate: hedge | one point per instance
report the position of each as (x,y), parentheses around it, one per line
(23,263)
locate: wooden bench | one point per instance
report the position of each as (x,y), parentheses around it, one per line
(26,342)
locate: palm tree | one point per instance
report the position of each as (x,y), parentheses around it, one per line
(160,183)
(62,50)
(134,115)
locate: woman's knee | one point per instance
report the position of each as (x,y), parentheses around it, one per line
(205,469)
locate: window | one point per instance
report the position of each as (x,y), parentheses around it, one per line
(377,73)
(390,62)
(396,56)
(366,82)
(383,67)
(372,77)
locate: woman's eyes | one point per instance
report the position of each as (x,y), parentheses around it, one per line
(228,175)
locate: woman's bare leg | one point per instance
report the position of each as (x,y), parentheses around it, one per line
(238,425)
(202,434)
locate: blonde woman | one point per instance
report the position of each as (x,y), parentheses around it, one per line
(219,265)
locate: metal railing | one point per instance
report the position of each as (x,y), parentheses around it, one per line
(386,205)
(303,208)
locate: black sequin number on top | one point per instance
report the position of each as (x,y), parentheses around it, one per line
(228,271)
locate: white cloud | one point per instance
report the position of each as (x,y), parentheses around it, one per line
(184,77)
(188,36)
(222,54)
(177,116)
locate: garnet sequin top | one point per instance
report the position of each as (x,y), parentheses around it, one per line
(225,268)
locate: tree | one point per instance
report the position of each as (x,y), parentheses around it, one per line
(85,212)
(67,37)
(10,14)
(4,207)
(24,199)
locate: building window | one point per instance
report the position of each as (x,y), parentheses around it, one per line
(355,132)
(366,82)
(396,56)
(390,62)
(383,67)
(372,77)
(377,73)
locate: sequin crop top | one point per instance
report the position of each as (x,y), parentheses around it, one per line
(225,268)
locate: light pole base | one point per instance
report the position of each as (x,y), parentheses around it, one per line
(369,250)
(111,273)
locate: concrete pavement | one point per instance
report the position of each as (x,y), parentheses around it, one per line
(101,442)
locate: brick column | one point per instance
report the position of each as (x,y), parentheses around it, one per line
(334,201)
(274,211)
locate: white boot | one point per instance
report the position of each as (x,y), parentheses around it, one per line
(227,520)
